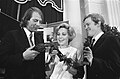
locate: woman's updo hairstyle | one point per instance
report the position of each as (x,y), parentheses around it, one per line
(70,30)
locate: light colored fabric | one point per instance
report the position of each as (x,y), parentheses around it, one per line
(97,37)
(60,69)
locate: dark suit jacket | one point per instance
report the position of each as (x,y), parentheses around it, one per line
(106,58)
(11,57)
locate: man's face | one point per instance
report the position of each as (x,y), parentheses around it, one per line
(34,22)
(91,27)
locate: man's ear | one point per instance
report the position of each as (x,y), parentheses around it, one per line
(99,24)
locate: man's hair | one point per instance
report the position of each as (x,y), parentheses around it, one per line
(95,17)
(28,15)
(70,30)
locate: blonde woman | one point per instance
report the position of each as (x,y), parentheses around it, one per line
(65,34)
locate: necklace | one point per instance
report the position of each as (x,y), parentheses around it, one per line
(64,46)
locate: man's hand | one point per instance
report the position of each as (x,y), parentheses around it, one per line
(30,54)
(88,54)
(54,52)
(72,71)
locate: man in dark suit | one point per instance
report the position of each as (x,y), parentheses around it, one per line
(104,55)
(16,51)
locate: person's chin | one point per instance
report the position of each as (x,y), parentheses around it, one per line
(89,34)
(61,43)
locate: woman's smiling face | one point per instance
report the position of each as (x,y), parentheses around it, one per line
(62,37)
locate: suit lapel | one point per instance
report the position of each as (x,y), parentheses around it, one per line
(98,43)
(23,40)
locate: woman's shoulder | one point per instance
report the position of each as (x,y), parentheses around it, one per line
(72,48)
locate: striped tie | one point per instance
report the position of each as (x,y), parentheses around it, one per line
(31,42)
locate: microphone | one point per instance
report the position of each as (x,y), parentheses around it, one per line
(86,44)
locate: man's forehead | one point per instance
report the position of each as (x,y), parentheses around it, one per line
(36,15)
(88,19)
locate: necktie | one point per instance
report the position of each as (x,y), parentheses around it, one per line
(92,42)
(31,42)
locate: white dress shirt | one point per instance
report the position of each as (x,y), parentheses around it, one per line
(28,36)
(97,37)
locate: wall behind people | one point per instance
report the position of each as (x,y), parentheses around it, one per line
(72,13)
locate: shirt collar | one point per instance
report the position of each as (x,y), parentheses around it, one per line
(27,32)
(98,36)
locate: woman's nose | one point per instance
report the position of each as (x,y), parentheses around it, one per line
(60,37)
